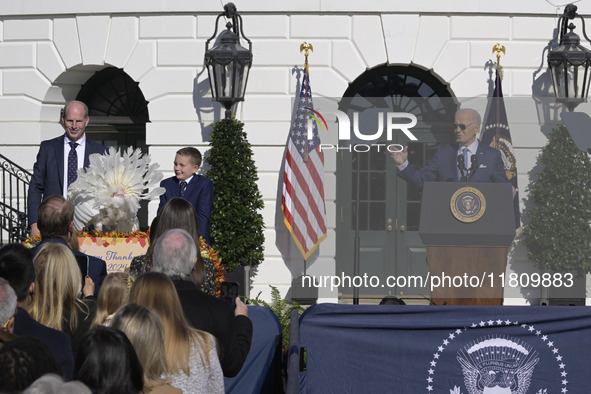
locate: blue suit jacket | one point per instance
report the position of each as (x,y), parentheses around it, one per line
(97,268)
(443,167)
(48,171)
(59,342)
(199,193)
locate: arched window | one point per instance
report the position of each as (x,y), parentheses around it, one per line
(373,205)
(117,108)
(118,115)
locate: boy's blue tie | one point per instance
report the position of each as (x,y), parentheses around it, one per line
(182,188)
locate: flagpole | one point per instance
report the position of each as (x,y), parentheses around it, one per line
(357,241)
(496,131)
(306,48)
(498,48)
(302,201)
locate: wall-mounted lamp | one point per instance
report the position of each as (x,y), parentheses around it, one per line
(228,62)
(569,62)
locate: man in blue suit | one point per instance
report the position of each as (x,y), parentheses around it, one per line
(197,189)
(16,266)
(51,172)
(56,224)
(486,162)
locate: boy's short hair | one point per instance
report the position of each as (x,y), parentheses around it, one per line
(192,153)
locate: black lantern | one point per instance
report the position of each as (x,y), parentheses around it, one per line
(227,61)
(569,62)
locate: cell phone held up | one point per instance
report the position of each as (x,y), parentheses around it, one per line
(229,292)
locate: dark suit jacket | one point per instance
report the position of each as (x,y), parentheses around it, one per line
(48,171)
(216,317)
(443,167)
(199,192)
(97,268)
(58,342)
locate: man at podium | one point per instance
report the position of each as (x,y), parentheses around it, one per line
(465,160)
(463,243)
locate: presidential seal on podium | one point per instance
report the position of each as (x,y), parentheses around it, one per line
(468,204)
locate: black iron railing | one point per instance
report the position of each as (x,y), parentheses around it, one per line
(13,201)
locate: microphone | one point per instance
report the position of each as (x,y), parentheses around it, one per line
(461,163)
(473,167)
(474,161)
(462,167)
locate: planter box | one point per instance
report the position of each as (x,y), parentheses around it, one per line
(568,296)
(240,275)
(304,295)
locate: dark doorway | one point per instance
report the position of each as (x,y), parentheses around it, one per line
(118,115)
(386,210)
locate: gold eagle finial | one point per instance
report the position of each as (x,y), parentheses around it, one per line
(498,48)
(305,47)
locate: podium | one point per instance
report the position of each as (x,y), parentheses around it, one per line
(467,229)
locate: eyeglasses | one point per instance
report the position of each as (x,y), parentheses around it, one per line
(8,321)
(462,126)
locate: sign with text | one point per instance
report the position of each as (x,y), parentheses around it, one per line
(117,252)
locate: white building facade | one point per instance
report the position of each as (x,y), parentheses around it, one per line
(50,49)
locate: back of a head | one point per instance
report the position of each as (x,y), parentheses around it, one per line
(54,384)
(7,301)
(16,266)
(175,253)
(145,330)
(58,283)
(55,214)
(113,294)
(107,363)
(57,271)
(156,290)
(178,213)
(391,300)
(23,361)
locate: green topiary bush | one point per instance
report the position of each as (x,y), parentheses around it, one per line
(236,228)
(558,235)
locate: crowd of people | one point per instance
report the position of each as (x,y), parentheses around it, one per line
(158,328)
(152,330)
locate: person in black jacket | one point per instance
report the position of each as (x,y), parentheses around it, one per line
(175,255)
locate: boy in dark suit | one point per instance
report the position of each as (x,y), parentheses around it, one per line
(197,189)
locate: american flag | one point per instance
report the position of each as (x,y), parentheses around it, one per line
(303,180)
(496,133)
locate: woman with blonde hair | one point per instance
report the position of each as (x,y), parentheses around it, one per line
(191,354)
(145,331)
(113,294)
(58,283)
